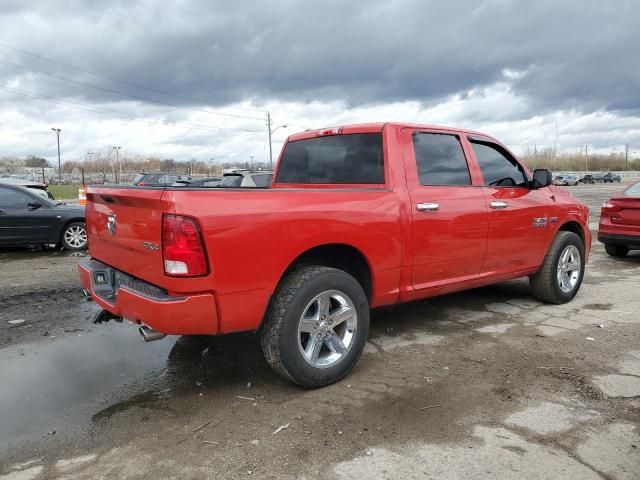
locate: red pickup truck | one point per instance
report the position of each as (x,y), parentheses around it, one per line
(357,217)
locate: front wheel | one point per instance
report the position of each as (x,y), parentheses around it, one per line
(616,250)
(316,326)
(74,236)
(560,276)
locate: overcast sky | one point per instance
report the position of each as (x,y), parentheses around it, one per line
(193,79)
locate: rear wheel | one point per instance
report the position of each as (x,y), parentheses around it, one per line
(560,276)
(616,250)
(74,236)
(316,326)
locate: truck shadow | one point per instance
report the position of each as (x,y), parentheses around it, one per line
(232,366)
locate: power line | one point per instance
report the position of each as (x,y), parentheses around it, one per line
(109,90)
(128,116)
(135,85)
(113,79)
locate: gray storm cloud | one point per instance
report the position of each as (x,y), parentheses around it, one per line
(575,53)
(570,55)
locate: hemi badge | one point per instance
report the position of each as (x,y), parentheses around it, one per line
(540,222)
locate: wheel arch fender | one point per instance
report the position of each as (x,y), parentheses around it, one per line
(343,256)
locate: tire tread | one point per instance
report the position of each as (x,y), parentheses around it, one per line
(543,282)
(271,331)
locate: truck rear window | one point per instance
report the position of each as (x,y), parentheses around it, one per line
(337,159)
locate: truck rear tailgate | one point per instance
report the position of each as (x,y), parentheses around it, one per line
(125,229)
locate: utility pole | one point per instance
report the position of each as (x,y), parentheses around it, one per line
(270,147)
(251,157)
(626,157)
(117,149)
(270,131)
(57,130)
(555,147)
(586,157)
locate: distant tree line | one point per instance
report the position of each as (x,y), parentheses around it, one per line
(13,164)
(580,161)
(108,165)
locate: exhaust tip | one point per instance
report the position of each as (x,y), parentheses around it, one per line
(149,334)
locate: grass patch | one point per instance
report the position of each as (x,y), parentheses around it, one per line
(64,192)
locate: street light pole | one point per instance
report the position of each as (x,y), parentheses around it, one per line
(269,122)
(117,149)
(57,130)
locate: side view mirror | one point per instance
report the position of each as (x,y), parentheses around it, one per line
(541,178)
(34,206)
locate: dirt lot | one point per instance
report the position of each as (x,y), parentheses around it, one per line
(481,384)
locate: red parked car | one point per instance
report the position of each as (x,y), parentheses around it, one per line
(357,217)
(619,227)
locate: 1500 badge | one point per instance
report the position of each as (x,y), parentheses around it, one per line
(151,246)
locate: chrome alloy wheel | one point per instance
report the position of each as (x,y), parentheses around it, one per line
(76,236)
(569,267)
(327,328)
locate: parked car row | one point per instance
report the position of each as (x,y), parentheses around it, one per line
(235,179)
(601,178)
(572,180)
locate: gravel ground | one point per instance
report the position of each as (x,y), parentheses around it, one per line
(481,384)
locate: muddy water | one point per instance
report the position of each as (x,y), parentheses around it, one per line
(60,384)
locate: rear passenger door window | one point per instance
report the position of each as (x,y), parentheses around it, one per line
(440,159)
(498,169)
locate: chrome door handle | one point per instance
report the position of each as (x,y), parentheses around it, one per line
(427,207)
(499,205)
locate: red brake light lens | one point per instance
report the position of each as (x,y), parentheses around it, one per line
(609,208)
(182,247)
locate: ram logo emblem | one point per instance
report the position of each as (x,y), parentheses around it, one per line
(111,224)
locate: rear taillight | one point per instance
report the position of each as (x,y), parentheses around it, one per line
(608,208)
(182,247)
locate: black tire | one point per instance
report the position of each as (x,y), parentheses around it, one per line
(279,336)
(544,283)
(616,250)
(69,243)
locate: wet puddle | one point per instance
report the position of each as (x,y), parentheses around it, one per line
(61,384)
